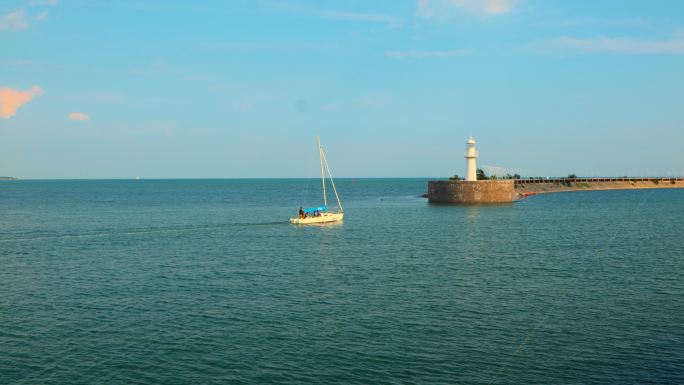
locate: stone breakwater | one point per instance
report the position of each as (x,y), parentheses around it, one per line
(506,191)
(539,186)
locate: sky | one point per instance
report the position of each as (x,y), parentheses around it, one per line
(240,89)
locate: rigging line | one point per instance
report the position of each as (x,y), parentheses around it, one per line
(332,182)
(546,317)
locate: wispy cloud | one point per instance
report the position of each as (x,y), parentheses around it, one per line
(25,65)
(19,20)
(352,16)
(410,54)
(331,106)
(51,3)
(11,99)
(267,46)
(336,14)
(373,101)
(621,45)
(14,21)
(29,64)
(602,22)
(150,6)
(441,9)
(78,116)
(155,67)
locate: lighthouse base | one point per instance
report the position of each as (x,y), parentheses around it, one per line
(471,192)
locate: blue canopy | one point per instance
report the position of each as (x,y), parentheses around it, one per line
(309,210)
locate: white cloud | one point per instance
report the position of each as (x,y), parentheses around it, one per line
(14,21)
(427,54)
(623,45)
(11,99)
(78,116)
(441,9)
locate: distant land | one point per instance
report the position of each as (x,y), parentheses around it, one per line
(7,178)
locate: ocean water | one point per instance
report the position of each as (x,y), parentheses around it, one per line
(205,281)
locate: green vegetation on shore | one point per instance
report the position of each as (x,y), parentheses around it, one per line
(481,175)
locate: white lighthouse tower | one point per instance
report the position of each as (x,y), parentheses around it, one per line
(471,156)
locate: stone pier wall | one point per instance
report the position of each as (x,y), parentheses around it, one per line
(530,187)
(504,191)
(469,192)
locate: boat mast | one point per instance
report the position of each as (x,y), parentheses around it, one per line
(320,156)
(332,182)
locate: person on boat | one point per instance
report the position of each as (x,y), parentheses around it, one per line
(301,212)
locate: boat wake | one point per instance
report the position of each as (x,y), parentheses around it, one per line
(137,231)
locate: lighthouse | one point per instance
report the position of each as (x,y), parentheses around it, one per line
(471,190)
(471,156)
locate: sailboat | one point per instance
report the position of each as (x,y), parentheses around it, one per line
(321,214)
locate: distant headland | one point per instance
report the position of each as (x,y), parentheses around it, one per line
(478,188)
(7,178)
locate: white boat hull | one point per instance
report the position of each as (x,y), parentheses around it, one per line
(323,218)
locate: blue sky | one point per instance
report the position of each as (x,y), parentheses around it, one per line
(172,89)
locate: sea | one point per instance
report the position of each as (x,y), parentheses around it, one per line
(206,282)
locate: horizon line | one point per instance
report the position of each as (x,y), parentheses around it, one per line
(315,178)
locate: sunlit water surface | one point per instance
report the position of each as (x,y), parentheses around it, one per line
(205,281)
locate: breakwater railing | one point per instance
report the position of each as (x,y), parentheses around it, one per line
(589,180)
